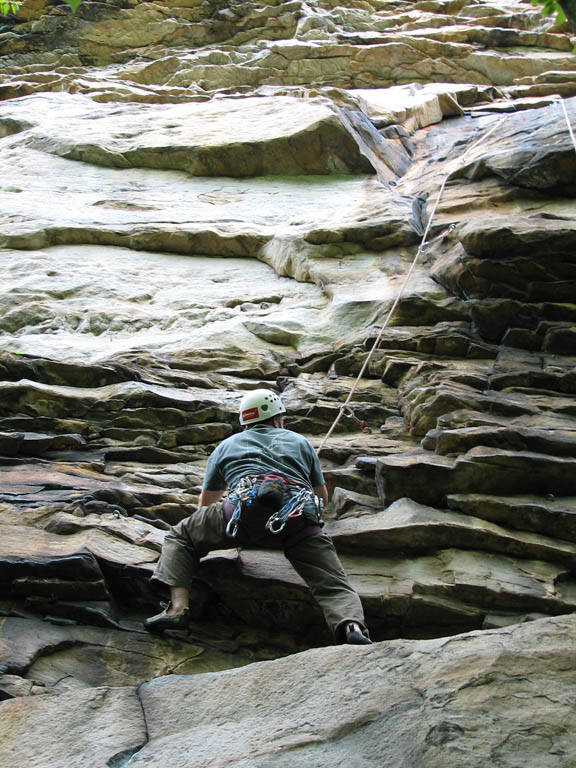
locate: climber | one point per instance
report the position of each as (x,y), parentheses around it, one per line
(276,492)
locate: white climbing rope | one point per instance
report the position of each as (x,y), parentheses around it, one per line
(346,404)
(570,131)
(455,102)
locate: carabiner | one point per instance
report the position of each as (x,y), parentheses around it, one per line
(232,527)
(364,426)
(271,522)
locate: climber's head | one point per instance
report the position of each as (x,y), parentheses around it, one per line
(260,405)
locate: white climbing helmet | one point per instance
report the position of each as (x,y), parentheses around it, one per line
(260,404)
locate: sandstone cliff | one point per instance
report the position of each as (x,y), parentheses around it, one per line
(199,198)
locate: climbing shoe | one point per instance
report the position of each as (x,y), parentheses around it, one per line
(163,620)
(354,637)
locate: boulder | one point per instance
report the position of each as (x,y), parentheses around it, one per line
(62,729)
(423,709)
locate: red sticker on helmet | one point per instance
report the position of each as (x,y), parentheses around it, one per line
(250,413)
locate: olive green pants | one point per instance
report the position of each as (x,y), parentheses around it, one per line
(313,558)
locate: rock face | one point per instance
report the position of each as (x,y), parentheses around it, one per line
(487,698)
(201,199)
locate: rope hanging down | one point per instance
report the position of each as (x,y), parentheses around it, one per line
(346,405)
(570,131)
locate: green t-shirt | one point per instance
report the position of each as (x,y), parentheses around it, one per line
(260,450)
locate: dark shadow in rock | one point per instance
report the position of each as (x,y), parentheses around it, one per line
(95,613)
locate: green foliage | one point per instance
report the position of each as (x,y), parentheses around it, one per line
(8,6)
(11,6)
(549,8)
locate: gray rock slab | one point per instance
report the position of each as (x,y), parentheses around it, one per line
(536,154)
(406,526)
(22,547)
(494,317)
(547,515)
(351,479)
(54,588)
(83,730)
(72,482)
(513,151)
(555,442)
(377,65)
(425,401)
(491,37)
(158,210)
(13,686)
(73,657)
(146,300)
(340,448)
(434,703)
(311,401)
(497,237)
(510,270)
(177,304)
(409,106)
(436,594)
(136,532)
(447,589)
(428,478)
(99,402)
(262,588)
(344,503)
(193,51)
(463,418)
(35,444)
(253,136)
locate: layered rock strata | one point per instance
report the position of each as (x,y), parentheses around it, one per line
(199,200)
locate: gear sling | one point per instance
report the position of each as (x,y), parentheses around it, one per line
(261,507)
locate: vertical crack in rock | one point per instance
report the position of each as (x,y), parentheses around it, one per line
(123,758)
(389,162)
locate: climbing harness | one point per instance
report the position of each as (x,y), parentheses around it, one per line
(246,494)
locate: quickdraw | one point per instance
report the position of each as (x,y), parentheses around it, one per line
(293,508)
(244,493)
(364,426)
